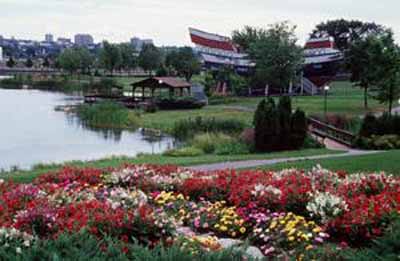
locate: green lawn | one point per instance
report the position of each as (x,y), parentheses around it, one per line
(343,99)
(27,176)
(385,161)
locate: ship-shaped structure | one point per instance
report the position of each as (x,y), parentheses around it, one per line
(218,51)
(321,61)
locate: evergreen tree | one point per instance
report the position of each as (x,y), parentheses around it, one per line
(298,129)
(285,112)
(259,126)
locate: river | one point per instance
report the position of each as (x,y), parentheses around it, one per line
(32,132)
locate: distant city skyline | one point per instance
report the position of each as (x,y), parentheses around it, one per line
(167,22)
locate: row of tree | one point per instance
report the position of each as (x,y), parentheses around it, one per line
(112,57)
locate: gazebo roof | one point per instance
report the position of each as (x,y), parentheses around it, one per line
(162,82)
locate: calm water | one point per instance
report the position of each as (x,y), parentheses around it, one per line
(32,132)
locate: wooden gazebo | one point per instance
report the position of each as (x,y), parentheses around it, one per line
(171,84)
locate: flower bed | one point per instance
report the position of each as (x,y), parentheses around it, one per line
(281,213)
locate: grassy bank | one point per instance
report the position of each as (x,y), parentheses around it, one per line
(107,115)
(28,176)
(385,161)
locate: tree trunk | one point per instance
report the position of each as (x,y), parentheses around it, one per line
(366,97)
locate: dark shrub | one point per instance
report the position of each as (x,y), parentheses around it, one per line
(298,129)
(285,112)
(179,103)
(369,126)
(276,128)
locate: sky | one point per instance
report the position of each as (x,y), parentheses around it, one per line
(167,21)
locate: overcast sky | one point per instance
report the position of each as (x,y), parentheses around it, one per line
(167,21)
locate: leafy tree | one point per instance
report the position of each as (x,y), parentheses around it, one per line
(150,58)
(361,63)
(110,56)
(86,59)
(346,32)
(69,60)
(247,36)
(29,63)
(387,73)
(128,57)
(277,56)
(184,62)
(10,63)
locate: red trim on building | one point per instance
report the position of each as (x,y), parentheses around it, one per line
(212,43)
(324,44)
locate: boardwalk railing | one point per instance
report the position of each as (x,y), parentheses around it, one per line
(325,130)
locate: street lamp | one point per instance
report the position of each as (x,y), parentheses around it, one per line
(326,89)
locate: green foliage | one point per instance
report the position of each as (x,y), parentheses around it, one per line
(108,115)
(299,129)
(232,148)
(384,248)
(84,247)
(277,56)
(128,57)
(383,125)
(209,83)
(184,152)
(110,56)
(150,58)
(208,142)
(184,62)
(74,59)
(276,128)
(187,128)
(384,142)
(310,143)
(346,32)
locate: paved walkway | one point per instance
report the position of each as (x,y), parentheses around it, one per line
(259,163)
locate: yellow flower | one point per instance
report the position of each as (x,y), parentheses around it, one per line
(309,247)
(291,238)
(317,230)
(223,228)
(273,224)
(291,232)
(242,230)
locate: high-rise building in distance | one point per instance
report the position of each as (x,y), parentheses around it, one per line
(83,39)
(138,43)
(49,38)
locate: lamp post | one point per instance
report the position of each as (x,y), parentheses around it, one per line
(326,89)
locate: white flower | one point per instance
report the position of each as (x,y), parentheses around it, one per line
(326,206)
(18,250)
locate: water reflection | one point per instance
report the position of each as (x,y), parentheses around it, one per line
(33,132)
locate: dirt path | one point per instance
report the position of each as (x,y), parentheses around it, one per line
(259,163)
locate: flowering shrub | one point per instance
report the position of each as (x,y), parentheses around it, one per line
(326,206)
(15,240)
(279,232)
(283,213)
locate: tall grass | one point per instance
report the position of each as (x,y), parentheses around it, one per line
(187,128)
(107,115)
